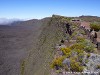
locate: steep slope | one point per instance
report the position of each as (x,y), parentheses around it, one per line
(15,44)
(40,57)
(27,48)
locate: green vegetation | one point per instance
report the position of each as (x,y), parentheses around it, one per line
(58,71)
(88,55)
(22,67)
(89,48)
(75,61)
(84,44)
(95,26)
(80,57)
(66,67)
(82,32)
(86,61)
(98,66)
(57,61)
(75,66)
(66,51)
(76,53)
(80,39)
(72,58)
(77,46)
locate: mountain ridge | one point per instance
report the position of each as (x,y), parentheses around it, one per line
(27,47)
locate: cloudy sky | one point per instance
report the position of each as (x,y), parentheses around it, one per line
(29,9)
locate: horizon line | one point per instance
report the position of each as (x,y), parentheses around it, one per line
(43,17)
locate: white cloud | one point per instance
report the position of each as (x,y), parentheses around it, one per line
(4,21)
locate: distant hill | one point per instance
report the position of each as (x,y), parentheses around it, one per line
(90,18)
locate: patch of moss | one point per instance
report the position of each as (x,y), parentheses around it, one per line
(22,67)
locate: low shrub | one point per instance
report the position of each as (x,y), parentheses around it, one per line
(57,61)
(82,32)
(77,46)
(66,51)
(80,39)
(75,66)
(66,68)
(88,55)
(80,57)
(79,52)
(98,66)
(86,61)
(95,26)
(89,48)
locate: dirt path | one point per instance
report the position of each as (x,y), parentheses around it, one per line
(86,24)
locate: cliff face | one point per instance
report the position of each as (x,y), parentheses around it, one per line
(40,57)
